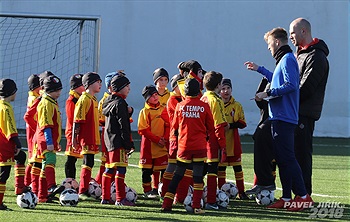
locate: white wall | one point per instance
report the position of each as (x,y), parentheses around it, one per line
(139,36)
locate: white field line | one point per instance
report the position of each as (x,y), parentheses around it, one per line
(247,183)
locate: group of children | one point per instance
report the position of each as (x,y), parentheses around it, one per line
(185,135)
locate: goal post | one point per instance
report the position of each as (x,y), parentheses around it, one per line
(33,43)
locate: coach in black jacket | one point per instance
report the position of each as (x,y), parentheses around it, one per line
(314,67)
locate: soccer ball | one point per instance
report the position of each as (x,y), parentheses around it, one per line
(205,193)
(230,189)
(130,194)
(190,190)
(95,189)
(265,197)
(188,203)
(69,197)
(27,200)
(222,199)
(70,183)
(160,187)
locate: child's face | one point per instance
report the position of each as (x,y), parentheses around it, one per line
(55,94)
(225,92)
(95,87)
(125,91)
(154,99)
(162,82)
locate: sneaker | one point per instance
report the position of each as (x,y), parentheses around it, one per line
(25,189)
(55,190)
(4,207)
(299,204)
(257,188)
(243,196)
(84,196)
(150,195)
(211,206)
(198,211)
(124,202)
(106,201)
(154,191)
(279,204)
(165,210)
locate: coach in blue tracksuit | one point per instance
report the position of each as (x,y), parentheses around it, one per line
(283,98)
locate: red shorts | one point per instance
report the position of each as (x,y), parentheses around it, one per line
(117,158)
(8,159)
(70,151)
(157,164)
(213,155)
(90,149)
(189,156)
(232,161)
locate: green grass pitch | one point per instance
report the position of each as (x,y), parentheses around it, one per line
(331,180)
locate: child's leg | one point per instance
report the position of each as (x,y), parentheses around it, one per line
(146,179)
(106,184)
(212,182)
(85,175)
(102,169)
(221,176)
(184,184)
(4,175)
(69,167)
(20,172)
(120,183)
(155,179)
(168,176)
(27,174)
(197,184)
(35,175)
(239,178)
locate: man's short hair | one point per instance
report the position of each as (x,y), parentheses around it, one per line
(277,33)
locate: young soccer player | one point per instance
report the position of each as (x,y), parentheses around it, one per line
(190,69)
(161,79)
(30,117)
(48,136)
(217,144)
(10,146)
(235,118)
(118,140)
(86,129)
(33,93)
(72,153)
(194,122)
(153,151)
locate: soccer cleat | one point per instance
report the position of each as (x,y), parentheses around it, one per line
(257,188)
(299,204)
(198,211)
(84,196)
(4,207)
(46,200)
(165,210)
(124,202)
(55,190)
(25,189)
(242,196)
(211,206)
(106,202)
(279,204)
(150,195)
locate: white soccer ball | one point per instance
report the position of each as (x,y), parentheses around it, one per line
(205,193)
(265,197)
(69,197)
(190,190)
(95,189)
(230,189)
(222,199)
(27,200)
(70,183)
(130,194)
(188,203)
(160,187)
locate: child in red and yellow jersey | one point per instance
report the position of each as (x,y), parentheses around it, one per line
(152,128)
(48,136)
(33,93)
(10,146)
(217,144)
(72,153)
(86,129)
(235,118)
(161,79)
(30,117)
(194,122)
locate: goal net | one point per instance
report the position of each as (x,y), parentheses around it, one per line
(33,44)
